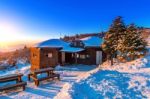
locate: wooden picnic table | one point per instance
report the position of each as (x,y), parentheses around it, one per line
(45,70)
(3,67)
(49,71)
(12,77)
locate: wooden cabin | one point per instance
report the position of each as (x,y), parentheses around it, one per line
(52,52)
(44,57)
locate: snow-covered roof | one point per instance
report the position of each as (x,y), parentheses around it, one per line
(71,49)
(92,41)
(56,43)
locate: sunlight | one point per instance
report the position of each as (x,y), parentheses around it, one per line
(8,33)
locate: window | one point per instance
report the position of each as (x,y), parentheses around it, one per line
(34,55)
(87,56)
(72,55)
(82,56)
(50,55)
(77,55)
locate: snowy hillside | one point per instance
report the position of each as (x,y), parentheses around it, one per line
(123,80)
(131,80)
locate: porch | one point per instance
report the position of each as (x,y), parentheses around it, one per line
(88,56)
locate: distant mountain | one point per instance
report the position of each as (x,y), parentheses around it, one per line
(80,36)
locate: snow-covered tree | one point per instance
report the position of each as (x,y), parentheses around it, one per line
(133,42)
(124,41)
(112,38)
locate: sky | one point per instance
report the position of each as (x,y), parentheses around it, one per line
(35,20)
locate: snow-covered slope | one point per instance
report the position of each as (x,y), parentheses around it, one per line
(129,80)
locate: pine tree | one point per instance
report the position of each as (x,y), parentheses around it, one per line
(112,38)
(133,42)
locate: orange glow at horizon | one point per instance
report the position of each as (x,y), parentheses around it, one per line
(12,34)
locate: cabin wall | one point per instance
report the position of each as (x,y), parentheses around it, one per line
(87,57)
(60,57)
(88,60)
(69,59)
(49,57)
(44,57)
(90,56)
(35,58)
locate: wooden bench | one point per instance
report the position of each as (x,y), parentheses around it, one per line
(12,77)
(45,70)
(3,67)
(37,80)
(40,71)
(8,87)
(50,75)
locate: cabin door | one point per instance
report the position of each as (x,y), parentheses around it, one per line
(63,57)
(98,57)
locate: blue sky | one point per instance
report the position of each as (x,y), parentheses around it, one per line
(43,19)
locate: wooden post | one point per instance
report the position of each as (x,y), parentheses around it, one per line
(19,79)
(48,73)
(111,61)
(75,58)
(24,87)
(29,76)
(36,82)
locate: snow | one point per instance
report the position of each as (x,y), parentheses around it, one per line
(92,41)
(56,43)
(129,80)
(118,81)
(64,94)
(71,49)
(21,67)
(86,71)
(47,89)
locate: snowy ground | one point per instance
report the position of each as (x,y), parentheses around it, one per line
(122,81)
(127,81)
(47,89)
